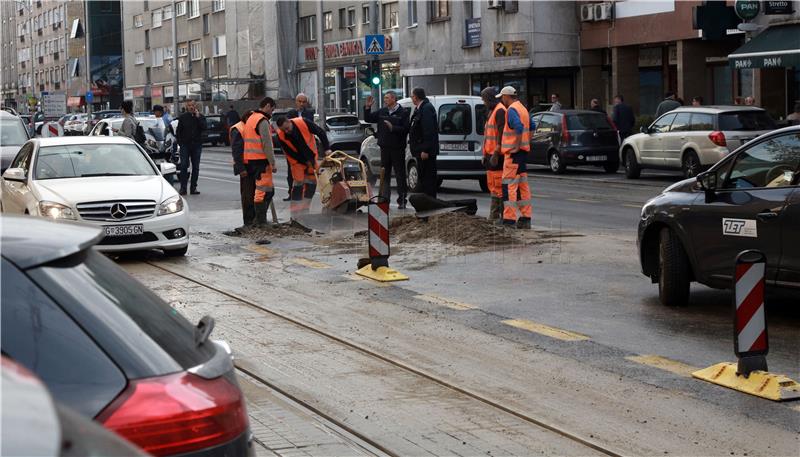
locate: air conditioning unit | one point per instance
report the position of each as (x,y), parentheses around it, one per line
(587,13)
(495,4)
(603,11)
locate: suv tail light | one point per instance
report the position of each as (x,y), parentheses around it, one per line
(177,413)
(717,138)
(564,130)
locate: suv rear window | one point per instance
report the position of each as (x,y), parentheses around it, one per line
(343,121)
(481,114)
(746,121)
(588,121)
(455,119)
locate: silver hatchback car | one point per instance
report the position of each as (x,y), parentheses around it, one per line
(692,139)
(345,132)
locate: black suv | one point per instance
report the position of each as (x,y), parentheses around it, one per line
(110,349)
(696,228)
(574,137)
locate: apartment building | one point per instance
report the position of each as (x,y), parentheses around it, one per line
(8,54)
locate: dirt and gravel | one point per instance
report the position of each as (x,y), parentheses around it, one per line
(459,229)
(284,230)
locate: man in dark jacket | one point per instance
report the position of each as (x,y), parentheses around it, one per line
(232,117)
(392,121)
(622,116)
(247,180)
(190,125)
(424,141)
(670,103)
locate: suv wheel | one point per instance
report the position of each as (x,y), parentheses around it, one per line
(632,169)
(673,270)
(690,165)
(372,178)
(557,165)
(413,178)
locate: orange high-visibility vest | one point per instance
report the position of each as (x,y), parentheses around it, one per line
(510,135)
(490,130)
(238,126)
(253,148)
(308,137)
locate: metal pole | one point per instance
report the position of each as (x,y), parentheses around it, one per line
(89,106)
(174,62)
(373,27)
(320,66)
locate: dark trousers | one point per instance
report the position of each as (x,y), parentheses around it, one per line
(289,179)
(394,159)
(190,152)
(247,189)
(427,176)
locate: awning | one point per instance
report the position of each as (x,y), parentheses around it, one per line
(777,46)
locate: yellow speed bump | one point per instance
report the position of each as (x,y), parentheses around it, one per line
(760,383)
(382,274)
(546,330)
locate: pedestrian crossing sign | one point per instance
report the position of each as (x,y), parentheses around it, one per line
(375,44)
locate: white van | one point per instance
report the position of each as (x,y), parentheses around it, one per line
(461,121)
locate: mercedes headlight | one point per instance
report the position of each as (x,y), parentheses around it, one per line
(56,211)
(171,205)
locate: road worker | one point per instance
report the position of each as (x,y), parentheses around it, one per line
(259,159)
(247,181)
(492,156)
(298,143)
(515,146)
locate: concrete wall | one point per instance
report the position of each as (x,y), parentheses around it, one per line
(8,51)
(641,29)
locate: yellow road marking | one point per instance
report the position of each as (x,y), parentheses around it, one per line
(436,300)
(663,363)
(582,200)
(546,330)
(309,263)
(631,205)
(258,249)
(796,408)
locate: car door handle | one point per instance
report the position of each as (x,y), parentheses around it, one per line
(766,215)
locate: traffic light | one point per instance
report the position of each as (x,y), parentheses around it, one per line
(365,73)
(376,73)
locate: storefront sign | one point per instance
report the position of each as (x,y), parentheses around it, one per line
(74,102)
(347,48)
(650,57)
(782,7)
(138,92)
(156,91)
(747,9)
(168,91)
(127,94)
(472,29)
(510,48)
(349,72)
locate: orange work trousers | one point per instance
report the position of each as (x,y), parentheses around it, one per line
(304,185)
(264,186)
(494,180)
(516,191)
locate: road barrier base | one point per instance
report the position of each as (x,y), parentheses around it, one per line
(382,274)
(759,383)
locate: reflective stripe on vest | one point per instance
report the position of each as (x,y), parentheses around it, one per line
(510,135)
(238,126)
(253,148)
(490,130)
(308,137)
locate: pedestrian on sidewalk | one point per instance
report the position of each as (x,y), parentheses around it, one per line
(697,101)
(668,104)
(256,164)
(232,117)
(555,99)
(169,134)
(190,126)
(492,155)
(515,146)
(749,101)
(794,118)
(424,141)
(594,105)
(623,117)
(128,127)
(392,121)
(300,147)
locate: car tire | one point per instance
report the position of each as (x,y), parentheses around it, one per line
(690,164)
(439,183)
(484,184)
(372,178)
(176,252)
(611,167)
(556,163)
(673,270)
(632,168)
(412,178)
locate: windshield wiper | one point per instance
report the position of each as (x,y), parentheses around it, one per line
(90,175)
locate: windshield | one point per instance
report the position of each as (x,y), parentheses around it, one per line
(588,121)
(88,160)
(746,120)
(12,132)
(343,121)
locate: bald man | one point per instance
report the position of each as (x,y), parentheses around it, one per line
(302,108)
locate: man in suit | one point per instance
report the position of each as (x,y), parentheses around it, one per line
(392,122)
(424,141)
(622,116)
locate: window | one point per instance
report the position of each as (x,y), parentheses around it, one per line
(746,121)
(219,45)
(183,50)
(168,12)
(195,50)
(207,68)
(217,5)
(327,21)
(140,58)
(365,14)
(439,10)
(663,123)
(146,5)
(391,15)
(73,68)
(147,39)
(307,25)
(343,18)
(548,123)
(193,8)
(180,9)
(158,57)
(681,123)
(168,53)
(137,21)
(481,114)
(412,14)
(701,122)
(205,24)
(772,163)
(455,119)
(157,15)
(62,42)
(351,16)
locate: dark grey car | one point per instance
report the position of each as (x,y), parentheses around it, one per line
(695,229)
(13,134)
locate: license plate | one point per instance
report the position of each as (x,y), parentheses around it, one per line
(213,135)
(454,146)
(595,158)
(124,230)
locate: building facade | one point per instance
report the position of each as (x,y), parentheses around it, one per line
(8,54)
(461,47)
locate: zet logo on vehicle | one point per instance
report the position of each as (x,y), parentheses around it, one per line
(739,227)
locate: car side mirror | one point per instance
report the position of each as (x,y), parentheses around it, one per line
(708,182)
(168,168)
(644,129)
(14,174)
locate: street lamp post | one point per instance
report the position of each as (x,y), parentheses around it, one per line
(320,66)
(175,61)
(27,6)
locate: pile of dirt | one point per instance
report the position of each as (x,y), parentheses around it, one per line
(457,229)
(284,230)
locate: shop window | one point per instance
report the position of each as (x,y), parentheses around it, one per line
(455,119)
(745,82)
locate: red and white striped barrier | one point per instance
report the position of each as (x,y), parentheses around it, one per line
(749,322)
(51,129)
(378,213)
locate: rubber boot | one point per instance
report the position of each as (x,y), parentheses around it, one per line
(261,214)
(495,211)
(524,223)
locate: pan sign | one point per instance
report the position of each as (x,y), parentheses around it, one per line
(747,9)
(510,48)
(781,7)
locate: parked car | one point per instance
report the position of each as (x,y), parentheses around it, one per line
(75,124)
(574,137)
(34,424)
(215,132)
(96,116)
(696,228)
(109,182)
(158,144)
(110,349)
(13,134)
(345,132)
(692,139)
